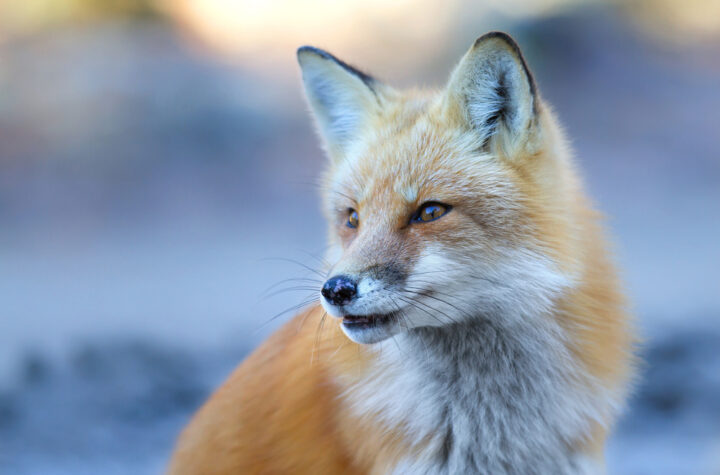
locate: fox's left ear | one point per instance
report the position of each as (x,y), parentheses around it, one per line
(493,92)
(342,98)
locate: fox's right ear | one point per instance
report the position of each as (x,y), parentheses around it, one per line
(342,98)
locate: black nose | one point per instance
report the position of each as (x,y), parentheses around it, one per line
(339,290)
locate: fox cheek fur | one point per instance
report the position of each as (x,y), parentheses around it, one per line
(464,147)
(476,324)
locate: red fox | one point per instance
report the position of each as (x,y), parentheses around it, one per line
(474,321)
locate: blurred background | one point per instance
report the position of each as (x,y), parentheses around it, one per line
(157,164)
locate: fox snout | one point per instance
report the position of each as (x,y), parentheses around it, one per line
(366,301)
(339,290)
(346,289)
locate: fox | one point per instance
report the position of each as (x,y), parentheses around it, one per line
(470,319)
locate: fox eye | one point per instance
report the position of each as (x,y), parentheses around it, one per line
(353,219)
(430,212)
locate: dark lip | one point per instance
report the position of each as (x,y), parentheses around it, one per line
(367,321)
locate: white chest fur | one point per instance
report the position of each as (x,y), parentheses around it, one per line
(488,400)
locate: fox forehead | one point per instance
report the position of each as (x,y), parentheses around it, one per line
(411,155)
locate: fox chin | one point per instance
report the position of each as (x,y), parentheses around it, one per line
(471,320)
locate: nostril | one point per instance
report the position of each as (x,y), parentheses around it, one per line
(339,290)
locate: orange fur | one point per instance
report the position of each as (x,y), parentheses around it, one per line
(284,410)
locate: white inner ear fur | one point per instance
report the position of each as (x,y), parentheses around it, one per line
(493,90)
(341,101)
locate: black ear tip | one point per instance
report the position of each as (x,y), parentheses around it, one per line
(510,43)
(498,35)
(303,50)
(311,50)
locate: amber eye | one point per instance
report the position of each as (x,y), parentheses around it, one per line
(353,219)
(430,212)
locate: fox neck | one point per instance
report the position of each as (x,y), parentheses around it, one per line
(478,397)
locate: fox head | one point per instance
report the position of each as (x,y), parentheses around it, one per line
(443,206)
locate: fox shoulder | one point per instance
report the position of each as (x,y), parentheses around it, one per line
(276,413)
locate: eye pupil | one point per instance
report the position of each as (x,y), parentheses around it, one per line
(431,212)
(353,219)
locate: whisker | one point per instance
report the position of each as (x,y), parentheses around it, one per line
(292,279)
(340,346)
(425,304)
(293,261)
(322,261)
(318,333)
(408,327)
(430,296)
(303,320)
(295,307)
(291,289)
(416,305)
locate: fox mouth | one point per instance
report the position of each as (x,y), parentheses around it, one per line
(367,321)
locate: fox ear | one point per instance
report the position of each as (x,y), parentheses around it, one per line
(341,97)
(493,92)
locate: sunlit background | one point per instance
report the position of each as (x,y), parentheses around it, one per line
(157,165)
